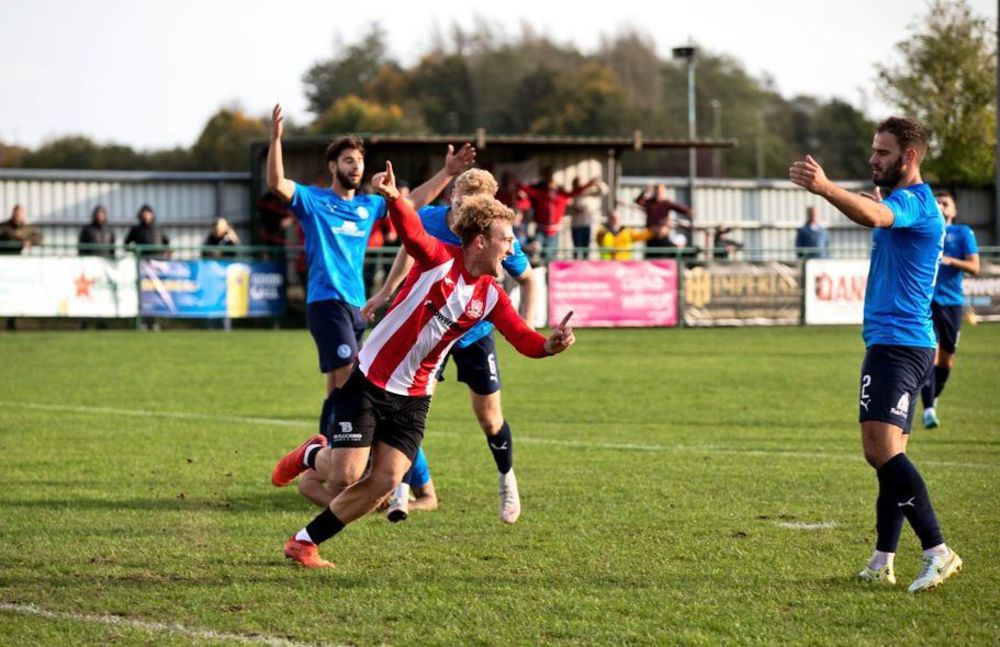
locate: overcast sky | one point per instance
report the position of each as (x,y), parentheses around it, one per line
(149,73)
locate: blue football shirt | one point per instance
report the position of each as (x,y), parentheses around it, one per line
(336,235)
(960,243)
(435,221)
(903,271)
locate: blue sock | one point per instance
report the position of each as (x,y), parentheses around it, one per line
(888,517)
(912,499)
(941,374)
(502,448)
(326,416)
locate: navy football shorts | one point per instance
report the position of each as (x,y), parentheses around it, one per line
(476,365)
(947,326)
(891,377)
(337,328)
(366,414)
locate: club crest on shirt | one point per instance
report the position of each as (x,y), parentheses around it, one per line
(475,309)
(362,212)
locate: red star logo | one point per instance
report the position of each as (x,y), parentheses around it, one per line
(83,285)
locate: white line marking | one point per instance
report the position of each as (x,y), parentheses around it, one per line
(802,525)
(152,627)
(284,422)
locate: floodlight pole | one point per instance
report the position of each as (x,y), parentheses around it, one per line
(717,133)
(688,53)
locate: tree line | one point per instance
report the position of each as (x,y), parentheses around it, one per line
(528,84)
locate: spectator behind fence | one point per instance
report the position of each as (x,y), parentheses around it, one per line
(584,211)
(659,220)
(616,241)
(811,239)
(147,233)
(221,237)
(722,245)
(97,238)
(16,235)
(549,201)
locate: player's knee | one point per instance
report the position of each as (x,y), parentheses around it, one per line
(490,421)
(344,477)
(947,360)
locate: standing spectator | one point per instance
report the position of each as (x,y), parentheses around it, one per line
(17,230)
(549,202)
(722,245)
(147,233)
(659,220)
(584,211)
(616,241)
(811,239)
(221,236)
(97,238)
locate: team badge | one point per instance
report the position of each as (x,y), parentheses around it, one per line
(475,309)
(362,213)
(344,351)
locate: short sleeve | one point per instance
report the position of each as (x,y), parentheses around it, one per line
(906,208)
(302,204)
(380,206)
(970,242)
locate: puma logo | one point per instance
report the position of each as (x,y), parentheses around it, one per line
(501,447)
(908,503)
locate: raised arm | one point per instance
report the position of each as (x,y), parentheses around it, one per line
(276,180)
(526,308)
(454,164)
(865,211)
(424,248)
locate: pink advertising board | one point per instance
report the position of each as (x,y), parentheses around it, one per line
(612,294)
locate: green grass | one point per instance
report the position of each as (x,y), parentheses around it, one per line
(655,468)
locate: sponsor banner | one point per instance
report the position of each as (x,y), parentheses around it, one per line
(611,294)
(743,294)
(982,292)
(50,286)
(212,289)
(835,291)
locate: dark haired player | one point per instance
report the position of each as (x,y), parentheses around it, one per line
(961,255)
(336,223)
(899,338)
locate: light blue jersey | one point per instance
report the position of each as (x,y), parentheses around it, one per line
(903,271)
(960,243)
(336,235)
(435,221)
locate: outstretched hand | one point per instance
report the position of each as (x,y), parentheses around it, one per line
(809,175)
(562,337)
(457,163)
(371,306)
(277,122)
(385,183)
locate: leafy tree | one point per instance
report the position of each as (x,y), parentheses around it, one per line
(225,140)
(347,74)
(947,80)
(353,115)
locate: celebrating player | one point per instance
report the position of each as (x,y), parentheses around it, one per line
(336,223)
(475,353)
(383,406)
(961,255)
(899,337)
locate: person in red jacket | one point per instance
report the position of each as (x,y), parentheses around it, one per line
(549,201)
(382,409)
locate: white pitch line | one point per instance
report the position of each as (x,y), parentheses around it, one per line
(802,525)
(284,422)
(152,627)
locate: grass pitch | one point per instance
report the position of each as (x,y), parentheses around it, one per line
(678,486)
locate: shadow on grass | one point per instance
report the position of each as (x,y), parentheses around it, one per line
(270,501)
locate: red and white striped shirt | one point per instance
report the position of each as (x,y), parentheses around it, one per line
(438,303)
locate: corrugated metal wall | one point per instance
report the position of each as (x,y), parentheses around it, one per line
(59,202)
(764,214)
